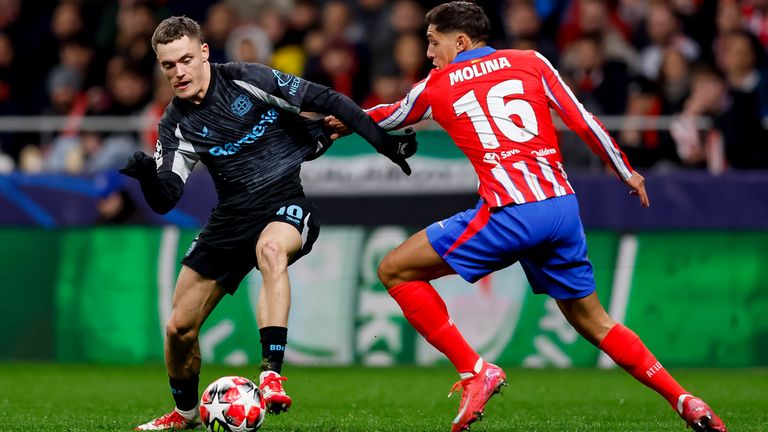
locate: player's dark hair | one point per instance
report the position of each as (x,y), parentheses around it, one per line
(175,28)
(462,16)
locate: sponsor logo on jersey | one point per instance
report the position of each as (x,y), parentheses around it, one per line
(258,130)
(241,105)
(543,152)
(508,153)
(478,69)
(287,80)
(205,133)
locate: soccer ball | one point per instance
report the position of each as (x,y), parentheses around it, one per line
(232,404)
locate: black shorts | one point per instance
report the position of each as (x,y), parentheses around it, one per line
(226,249)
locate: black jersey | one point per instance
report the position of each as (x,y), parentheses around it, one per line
(247,131)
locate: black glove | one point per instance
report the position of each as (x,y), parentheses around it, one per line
(318,137)
(140,166)
(400,147)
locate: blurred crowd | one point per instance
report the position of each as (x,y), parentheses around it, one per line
(686,59)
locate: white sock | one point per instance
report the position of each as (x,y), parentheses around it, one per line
(192,414)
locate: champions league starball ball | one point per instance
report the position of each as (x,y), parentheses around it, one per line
(232,404)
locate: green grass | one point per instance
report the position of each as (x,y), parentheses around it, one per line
(84,398)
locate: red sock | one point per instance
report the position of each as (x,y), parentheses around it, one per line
(629,352)
(427,313)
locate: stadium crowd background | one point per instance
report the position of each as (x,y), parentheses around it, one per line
(683,58)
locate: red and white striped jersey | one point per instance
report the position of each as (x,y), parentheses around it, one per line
(495,105)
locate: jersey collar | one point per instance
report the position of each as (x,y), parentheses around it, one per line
(473,54)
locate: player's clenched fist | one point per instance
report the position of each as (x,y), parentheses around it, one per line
(139,165)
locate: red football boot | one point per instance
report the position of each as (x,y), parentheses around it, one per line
(274,394)
(171,421)
(475,392)
(698,415)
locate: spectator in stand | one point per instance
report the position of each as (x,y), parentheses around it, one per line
(67,20)
(728,21)
(339,66)
(9,143)
(409,57)
(642,100)
(76,53)
(302,17)
(335,54)
(708,98)
(523,29)
(249,43)
(338,24)
(286,56)
(666,97)
(600,83)
(674,81)
(375,17)
(66,98)
(386,88)
(219,22)
(407,17)
(744,123)
(594,18)
(664,31)
(129,90)
(289,55)
(755,13)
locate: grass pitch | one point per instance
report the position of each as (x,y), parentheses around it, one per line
(84,398)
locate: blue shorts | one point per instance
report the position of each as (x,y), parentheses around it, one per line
(546,237)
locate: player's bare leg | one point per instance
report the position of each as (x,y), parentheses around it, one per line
(405,272)
(194,299)
(276,244)
(591,320)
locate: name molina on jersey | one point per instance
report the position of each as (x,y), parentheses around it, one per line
(478,69)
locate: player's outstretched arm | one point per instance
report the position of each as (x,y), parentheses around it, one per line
(636,183)
(161,191)
(397,148)
(336,128)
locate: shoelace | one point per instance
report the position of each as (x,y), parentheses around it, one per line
(273,382)
(458,386)
(168,418)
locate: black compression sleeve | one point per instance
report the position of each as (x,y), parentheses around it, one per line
(324,100)
(162,191)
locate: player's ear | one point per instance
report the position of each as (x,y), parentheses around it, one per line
(462,42)
(205,51)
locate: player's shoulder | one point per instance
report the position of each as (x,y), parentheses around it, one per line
(530,56)
(172,115)
(243,71)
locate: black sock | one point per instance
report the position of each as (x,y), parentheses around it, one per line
(273,340)
(185,392)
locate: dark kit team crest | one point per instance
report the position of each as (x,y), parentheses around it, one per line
(241,105)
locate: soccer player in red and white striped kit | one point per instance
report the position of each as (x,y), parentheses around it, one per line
(496,105)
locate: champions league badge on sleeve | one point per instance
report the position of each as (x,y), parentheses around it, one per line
(241,105)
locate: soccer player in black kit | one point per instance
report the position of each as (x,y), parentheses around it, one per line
(242,122)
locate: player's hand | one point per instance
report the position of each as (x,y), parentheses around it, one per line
(400,147)
(637,183)
(336,128)
(139,166)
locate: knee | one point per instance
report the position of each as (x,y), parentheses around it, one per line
(272,258)
(389,273)
(178,332)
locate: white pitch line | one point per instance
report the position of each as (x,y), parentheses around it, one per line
(622,285)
